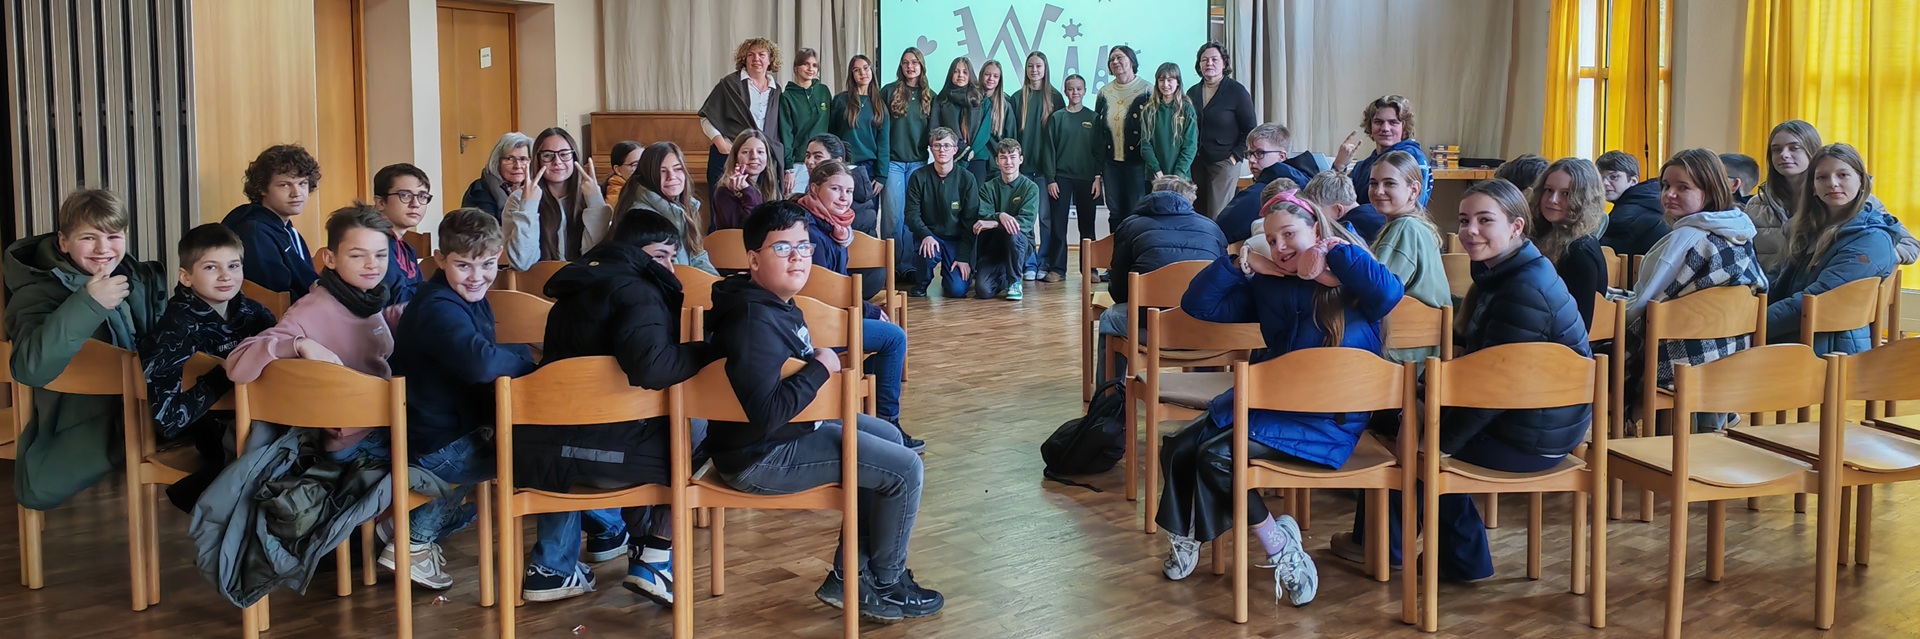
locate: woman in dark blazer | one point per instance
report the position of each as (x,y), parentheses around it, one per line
(1226,116)
(748,98)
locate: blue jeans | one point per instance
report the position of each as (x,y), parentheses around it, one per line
(953,286)
(889,477)
(1463,534)
(557,535)
(885,344)
(462,463)
(1124,184)
(1113,323)
(895,214)
(1041,225)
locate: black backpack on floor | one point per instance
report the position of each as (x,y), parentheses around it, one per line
(1092,444)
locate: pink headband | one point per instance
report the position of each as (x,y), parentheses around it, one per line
(1290,196)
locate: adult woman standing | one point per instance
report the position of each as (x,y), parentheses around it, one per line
(559,212)
(1226,117)
(909,103)
(661,185)
(804,109)
(1118,107)
(1565,209)
(860,120)
(1388,121)
(747,99)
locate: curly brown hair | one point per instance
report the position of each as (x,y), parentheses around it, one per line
(280,159)
(773,54)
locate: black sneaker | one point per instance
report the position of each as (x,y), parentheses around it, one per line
(605,549)
(916,445)
(541,584)
(833,592)
(917,291)
(1102,275)
(913,601)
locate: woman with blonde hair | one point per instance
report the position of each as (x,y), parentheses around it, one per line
(1409,244)
(1564,209)
(749,98)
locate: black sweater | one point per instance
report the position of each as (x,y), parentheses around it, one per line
(758,332)
(1584,268)
(1637,221)
(1224,121)
(277,257)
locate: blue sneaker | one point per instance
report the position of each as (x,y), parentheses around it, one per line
(650,579)
(605,549)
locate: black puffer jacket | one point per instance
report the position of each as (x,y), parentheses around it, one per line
(1637,221)
(1162,230)
(615,300)
(1519,300)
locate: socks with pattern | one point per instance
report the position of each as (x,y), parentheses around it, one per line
(1269,535)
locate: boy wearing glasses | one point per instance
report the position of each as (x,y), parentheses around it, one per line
(402,193)
(758,328)
(1266,156)
(942,205)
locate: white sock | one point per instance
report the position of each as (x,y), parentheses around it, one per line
(655,555)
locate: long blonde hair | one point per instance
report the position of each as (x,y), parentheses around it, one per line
(996,99)
(1586,203)
(1045,91)
(1179,104)
(1329,302)
(1409,169)
(1814,225)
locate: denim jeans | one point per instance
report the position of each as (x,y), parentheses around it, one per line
(462,463)
(1040,225)
(885,344)
(953,286)
(1074,194)
(1463,534)
(1124,183)
(557,535)
(1113,323)
(889,476)
(894,216)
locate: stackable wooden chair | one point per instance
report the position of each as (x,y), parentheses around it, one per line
(1720,312)
(276,302)
(1176,339)
(150,467)
(1093,254)
(98,369)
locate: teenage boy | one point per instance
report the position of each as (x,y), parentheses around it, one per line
(1266,156)
(1742,175)
(1333,192)
(277,185)
(1074,153)
(1637,220)
(942,205)
(402,192)
(444,345)
(758,328)
(1163,230)
(1003,237)
(206,315)
(619,299)
(63,288)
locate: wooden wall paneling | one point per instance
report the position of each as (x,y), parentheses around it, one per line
(253,88)
(340,79)
(175,123)
(62,162)
(607,128)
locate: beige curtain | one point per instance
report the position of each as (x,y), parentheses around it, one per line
(665,55)
(1468,66)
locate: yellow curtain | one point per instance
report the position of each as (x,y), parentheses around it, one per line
(1633,81)
(1563,79)
(1852,69)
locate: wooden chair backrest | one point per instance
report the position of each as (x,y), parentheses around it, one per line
(574,392)
(1617,270)
(1719,312)
(197,365)
(1891,295)
(708,395)
(1609,322)
(1413,324)
(1883,374)
(1173,329)
(727,249)
(98,369)
(312,394)
(1772,378)
(1451,244)
(430,266)
(1164,286)
(871,252)
(519,318)
(421,243)
(693,320)
(696,285)
(1094,254)
(319,260)
(1520,376)
(1459,269)
(833,288)
(830,325)
(534,280)
(1850,306)
(275,301)
(1345,380)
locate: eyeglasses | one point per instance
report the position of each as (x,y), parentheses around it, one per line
(785,250)
(943,146)
(549,157)
(411,198)
(1257,153)
(516,159)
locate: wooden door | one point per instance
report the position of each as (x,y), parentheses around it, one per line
(478,96)
(341,146)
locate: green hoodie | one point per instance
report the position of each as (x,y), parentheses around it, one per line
(71,441)
(1075,147)
(803,114)
(1410,250)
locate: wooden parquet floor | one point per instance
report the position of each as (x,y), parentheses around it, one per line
(1016,556)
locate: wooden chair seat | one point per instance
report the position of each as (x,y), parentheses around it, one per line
(1102,300)
(1473,472)
(1714,460)
(1908,425)
(1868,449)
(717,494)
(527,501)
(1368,456)
(1191,390)
(171,464)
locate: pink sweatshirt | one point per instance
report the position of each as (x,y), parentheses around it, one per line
(363,344)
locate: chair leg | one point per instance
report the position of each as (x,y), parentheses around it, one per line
(1223,553)
(1577,584)
(136,540)
(1846,519)
(682,570)
(1826,568)
(1598,592)
(369,549)
(703,517)
(343,569)
(1409,579)
(1615,505)
(1429,556)
(1490,509)
(1800,503)
(1533,533)
(1716,540)
(32,524)
(717,529)
(484,495)
(1239,542)
(1646,505)
(1377,541)
(1676,567)
(1152,459)
(506,575)
(1305,516)
(152,540)
(402,580)
(265,613)
(250,621)
(1863,524)
(1753,503)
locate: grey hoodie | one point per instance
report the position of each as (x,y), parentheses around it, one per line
(1663,262)
(645,199)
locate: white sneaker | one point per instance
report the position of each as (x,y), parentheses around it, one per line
(1182,555)
(1293,570)
(428,567)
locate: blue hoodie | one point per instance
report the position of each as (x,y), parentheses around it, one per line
(1364,169)
(1861,249)
(444,345)
(277,257)
(1283,306)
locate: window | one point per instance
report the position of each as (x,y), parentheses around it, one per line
(1619,104)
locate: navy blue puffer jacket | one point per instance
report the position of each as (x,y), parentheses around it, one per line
(1519,300)
(1164,229)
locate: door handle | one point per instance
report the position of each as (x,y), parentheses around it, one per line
(463,142)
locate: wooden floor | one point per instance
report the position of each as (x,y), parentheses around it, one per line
(1016,556)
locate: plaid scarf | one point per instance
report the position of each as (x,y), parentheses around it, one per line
(1713,263)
